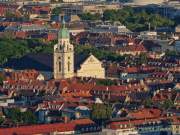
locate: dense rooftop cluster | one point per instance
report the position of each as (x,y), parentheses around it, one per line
(139,93)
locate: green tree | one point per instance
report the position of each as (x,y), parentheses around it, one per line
(10,15)
(142,58)
(148,103)
(21,117)
(167,104)
(101,112)
(89,16)
(1,79)
(99,53)
(15,48)
(15,115)
(136,21)
(1,120)
(57,11)
(29,118)
(105,82)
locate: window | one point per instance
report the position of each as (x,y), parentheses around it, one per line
(59,66)
(68,66)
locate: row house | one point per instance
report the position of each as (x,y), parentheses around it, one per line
(175,125)
(157,76)
(177,100)
(36,11)
(5,8)
(133,50)
(32,86)
(163,63)
(80,126)
(101,39)
(25,75)
(160,85)
(162,95)
(144,121)
(145,113)
(139,126)
(112,92)
(73,108)
(77,90)
(45,36)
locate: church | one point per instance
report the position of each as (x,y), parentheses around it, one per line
(67,65)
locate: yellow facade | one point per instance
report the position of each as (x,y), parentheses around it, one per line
(176,129)
(91,67)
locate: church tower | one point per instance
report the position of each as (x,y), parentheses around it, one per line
(63,55)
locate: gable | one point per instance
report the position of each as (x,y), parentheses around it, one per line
(91,59)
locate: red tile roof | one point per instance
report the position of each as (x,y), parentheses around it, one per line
(145,113)
(132,48)
(131,123)
(45,128)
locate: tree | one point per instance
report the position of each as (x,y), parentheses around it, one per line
(142,58)
(99,53)
(1,79)
(101,112)
(89,16)
(10,15)
(1,120)
(136,21)
(105,82)
(148,103)
(57,11)
(167,104)
(15,115)
(16,48)
(29,118)
(21,117)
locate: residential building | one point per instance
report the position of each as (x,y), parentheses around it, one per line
(80,126)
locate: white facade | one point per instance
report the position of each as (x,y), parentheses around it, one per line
(147,2)
(126,131)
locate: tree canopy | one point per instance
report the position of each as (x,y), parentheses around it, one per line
(167,104)
(1,120)
(101,112)
(105,82)
(1,79)
(57,11)
(136,21)
(17,116)
(99,53)
(148,103)
(15,48)
(90,16)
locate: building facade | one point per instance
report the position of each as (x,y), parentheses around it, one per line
(63,56)
(91,67)
(65,66)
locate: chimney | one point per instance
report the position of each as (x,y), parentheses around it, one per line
(107,88)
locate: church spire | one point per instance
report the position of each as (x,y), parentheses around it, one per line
(63,23)
(63,32)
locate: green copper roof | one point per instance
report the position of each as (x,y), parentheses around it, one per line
(63,32)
